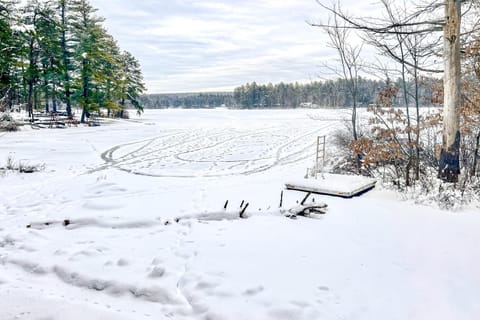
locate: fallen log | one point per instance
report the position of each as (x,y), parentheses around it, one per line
(306,209)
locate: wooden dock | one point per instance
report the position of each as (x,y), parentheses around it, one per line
(345,186)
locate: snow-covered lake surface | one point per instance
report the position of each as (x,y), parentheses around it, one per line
(123,255)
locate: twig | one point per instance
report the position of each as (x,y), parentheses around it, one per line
(243,211)
(305,199)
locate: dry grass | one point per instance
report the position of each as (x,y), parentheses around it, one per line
(22,167)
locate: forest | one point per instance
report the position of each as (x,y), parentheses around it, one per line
(316,94)
(326,94)
(187,100)
(57,55)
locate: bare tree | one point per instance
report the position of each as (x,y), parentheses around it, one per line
(422,20)
(349,57)
(413,52)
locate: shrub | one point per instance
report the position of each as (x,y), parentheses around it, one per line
(7,123)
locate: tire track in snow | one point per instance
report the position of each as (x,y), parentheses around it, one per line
(128,161)
(107,155)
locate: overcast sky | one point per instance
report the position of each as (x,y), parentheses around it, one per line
(216,45)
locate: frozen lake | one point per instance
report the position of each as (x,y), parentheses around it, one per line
(216,143)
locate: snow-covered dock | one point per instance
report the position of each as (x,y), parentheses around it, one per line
(345,186)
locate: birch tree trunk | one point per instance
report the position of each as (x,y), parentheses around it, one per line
(449,166)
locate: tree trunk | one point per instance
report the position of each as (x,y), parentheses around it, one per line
(406,100)
(66,60)
(30,79)
(36,104)
(475,156)
(449,168)
(24,93)
(45,88)
(84,113)
(54,98)
(417,108)
(85,84)
(30,100)
(54,87)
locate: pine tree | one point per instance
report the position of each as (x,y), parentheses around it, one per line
(66,43)
(7,48)
(108,77)
(89,34)
(133,85)
(49,28)
(5,44)
(58,50)
(32,14)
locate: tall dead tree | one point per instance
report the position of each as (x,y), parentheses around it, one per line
(449,166)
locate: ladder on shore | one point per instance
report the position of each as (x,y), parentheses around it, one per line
(319,159)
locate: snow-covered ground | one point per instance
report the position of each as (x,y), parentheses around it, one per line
(104,243)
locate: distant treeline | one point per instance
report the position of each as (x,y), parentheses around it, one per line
(187,100)
(325,94)
(330,93)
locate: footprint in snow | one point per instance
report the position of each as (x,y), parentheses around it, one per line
(204,285)
(285,314)
(122,262)
(300,304)
(156,272)
(253,291)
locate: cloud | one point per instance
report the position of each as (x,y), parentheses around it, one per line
(197,45)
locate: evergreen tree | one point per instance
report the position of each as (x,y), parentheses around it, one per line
(31,15)
(132,84)
(67,66)
(50,54)
(110,79)
(8,47)
(58,50)
(89,34)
